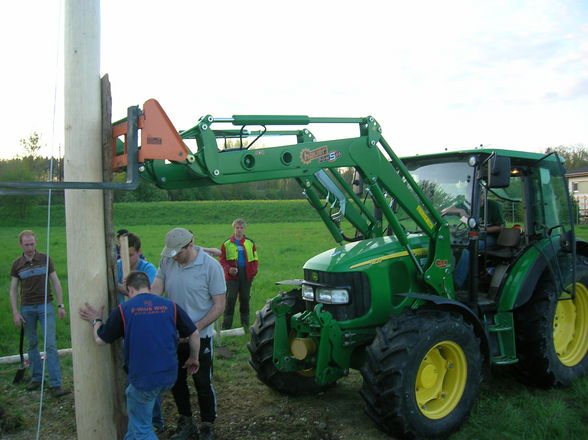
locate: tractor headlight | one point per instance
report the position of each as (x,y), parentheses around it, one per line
(307,292)
(332,296)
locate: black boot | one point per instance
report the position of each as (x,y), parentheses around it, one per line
(227,322)
(207,431)
(186,429)
(245,322)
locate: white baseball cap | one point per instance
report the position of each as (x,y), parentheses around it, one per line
(175,240)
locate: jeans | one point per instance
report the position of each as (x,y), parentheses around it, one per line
(462,267)
(140,405)
(32,315)
(157,419)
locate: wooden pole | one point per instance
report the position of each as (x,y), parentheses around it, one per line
(120,377)
(84,210)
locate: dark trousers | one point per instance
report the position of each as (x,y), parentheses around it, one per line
(241,289)
(202,382)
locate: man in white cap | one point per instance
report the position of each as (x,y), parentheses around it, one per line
(195,281)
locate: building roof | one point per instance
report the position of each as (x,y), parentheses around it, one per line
(582,171)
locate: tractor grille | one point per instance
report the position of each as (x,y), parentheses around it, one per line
(359,293)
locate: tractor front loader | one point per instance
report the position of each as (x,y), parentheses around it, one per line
(385,300)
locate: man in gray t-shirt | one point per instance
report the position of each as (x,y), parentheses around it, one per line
(195,281)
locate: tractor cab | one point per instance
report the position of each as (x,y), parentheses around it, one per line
(499,205)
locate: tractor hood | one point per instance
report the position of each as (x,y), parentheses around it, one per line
(361,255)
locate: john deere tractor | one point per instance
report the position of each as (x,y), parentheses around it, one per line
(386,299)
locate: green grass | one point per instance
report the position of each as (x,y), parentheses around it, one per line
(508,409)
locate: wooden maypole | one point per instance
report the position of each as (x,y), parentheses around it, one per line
(86,254)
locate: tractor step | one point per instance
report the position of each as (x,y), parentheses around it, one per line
(504,360)
(496,328)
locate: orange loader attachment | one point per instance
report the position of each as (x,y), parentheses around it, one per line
(159,138)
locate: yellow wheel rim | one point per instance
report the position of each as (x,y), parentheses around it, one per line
(570,327)
(441,380)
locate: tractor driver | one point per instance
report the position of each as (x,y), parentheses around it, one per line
(495,223)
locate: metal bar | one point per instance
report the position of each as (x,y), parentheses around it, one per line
(316,120)
(21,192)
(237,133)
(388,213)
(270,120)
(414,259)
(320,209)
(336,120)
(403,171)
(396,226)
(132,167)
(354,197)
(286,120)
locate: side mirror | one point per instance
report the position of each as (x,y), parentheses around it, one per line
(499,172)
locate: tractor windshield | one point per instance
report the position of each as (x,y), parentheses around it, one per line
(447,185)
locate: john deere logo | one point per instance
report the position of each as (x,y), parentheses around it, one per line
(314,276)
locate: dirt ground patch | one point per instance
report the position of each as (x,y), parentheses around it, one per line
(247,409)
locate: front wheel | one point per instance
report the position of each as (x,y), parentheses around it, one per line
(422,375)
(261,349)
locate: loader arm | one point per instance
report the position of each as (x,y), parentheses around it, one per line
(166,161)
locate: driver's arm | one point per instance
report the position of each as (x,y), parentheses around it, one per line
(494,229)
(454,210)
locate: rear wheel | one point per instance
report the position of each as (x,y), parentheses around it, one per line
(261,349)
(422,375)
(552,333)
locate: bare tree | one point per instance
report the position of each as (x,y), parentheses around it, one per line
(576,156)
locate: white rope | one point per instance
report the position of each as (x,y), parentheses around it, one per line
(50,178)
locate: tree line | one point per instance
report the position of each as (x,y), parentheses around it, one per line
(31,166)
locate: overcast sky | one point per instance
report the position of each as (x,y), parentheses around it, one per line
(435,74)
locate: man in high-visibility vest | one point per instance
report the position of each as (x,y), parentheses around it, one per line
(239,260)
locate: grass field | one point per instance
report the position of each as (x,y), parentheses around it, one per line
(248,410)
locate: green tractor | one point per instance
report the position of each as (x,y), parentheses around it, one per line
(445,264)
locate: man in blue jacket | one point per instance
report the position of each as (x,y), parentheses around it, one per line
(137,262)
(150,326)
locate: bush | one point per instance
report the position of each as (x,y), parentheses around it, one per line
(19,205)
